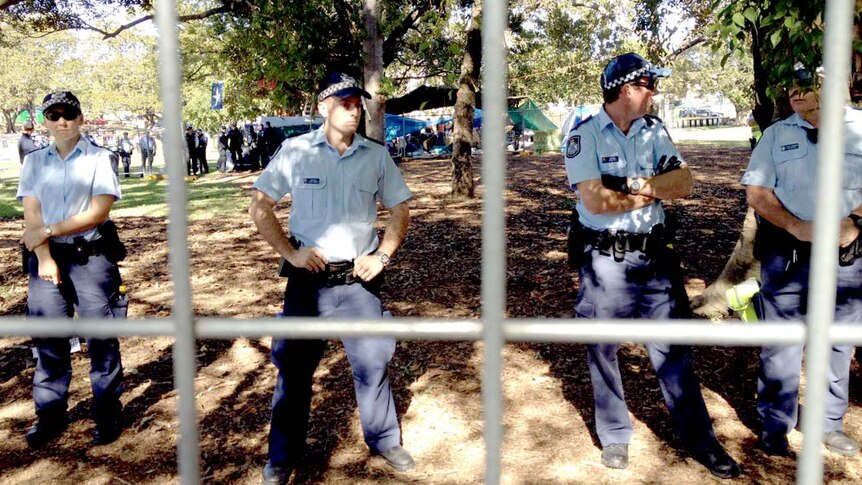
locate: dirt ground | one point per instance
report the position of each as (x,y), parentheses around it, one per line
(548,398)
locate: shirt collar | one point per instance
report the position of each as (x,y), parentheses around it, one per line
(82,146)
(319,138)
(605,121)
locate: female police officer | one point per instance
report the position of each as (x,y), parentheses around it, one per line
(67,190)
(780,187)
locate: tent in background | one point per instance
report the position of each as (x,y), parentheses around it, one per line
(526,115)
(25,115)
(401,125)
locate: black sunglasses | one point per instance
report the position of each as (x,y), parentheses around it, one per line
(651,84)
(69,115)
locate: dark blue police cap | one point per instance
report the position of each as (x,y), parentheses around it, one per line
(339,84)
(61,97)
(626,68)
(804,76)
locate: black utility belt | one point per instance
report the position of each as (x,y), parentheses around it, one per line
(79,249)
(619,243)
(334,274)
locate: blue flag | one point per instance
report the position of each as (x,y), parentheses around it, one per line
(217,99)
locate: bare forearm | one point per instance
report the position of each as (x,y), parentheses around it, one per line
(601,200)
(671,185)
(270,228)
(396,230)
(767,205)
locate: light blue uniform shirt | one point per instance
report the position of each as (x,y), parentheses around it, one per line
(596,146)
(785,161)
(334,197)
(65,188)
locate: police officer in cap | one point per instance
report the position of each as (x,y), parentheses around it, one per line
(335,177)
(623,164)
(68,189)
(26,144)
(780,185)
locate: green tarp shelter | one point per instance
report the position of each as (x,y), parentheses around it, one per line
(526,115)
(25,115)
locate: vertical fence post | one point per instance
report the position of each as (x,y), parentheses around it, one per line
(184,346)
(494,17)
(824,258)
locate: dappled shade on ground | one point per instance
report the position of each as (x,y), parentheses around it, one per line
(548,397)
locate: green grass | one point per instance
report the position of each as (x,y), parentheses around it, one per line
(149,199)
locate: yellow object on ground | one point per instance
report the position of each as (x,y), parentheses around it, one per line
(739,299)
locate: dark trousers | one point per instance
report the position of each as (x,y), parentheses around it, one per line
(236,156)
(640,288)
(297,360)
(127,164)
(192,163)
(202,160)
(784,296)
(87,288)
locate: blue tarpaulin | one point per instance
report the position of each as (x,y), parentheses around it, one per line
(401,125)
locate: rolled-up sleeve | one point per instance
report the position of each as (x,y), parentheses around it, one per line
(26,185)
(105,181)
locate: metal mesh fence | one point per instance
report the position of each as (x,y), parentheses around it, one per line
(494,329)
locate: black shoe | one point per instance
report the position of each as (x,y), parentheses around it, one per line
(616,456)
(775,446)
(839,442)
(46,430)
(398,458)
(717,461)
(107,432)
(276,475)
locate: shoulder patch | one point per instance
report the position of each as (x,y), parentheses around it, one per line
(573,146)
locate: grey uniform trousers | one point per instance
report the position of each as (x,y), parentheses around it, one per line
(784,296)
(640,287)
(297,360)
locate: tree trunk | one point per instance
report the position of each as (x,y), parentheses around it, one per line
(741,266)
(764,109)
(9,118)
(463,184)
(375,120)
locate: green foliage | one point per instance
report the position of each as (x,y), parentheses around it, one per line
(784,32)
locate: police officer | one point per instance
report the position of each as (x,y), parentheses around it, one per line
(26,144)
(67,190)
(125,147)
(148,151)
(334,177)
(781,188)
(192,149)
(622,163)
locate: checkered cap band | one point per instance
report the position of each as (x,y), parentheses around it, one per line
(63,97)
(643,71)
(345,83)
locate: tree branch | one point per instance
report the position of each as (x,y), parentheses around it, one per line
(396,35)
(688,45)
(4,4)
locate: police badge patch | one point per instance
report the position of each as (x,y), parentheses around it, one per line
(573,146)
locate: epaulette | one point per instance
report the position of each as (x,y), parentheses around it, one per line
(651,119)
(579,123)
(373,140)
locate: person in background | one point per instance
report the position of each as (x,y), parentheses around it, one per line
(26,143)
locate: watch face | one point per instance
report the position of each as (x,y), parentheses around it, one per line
(636,185)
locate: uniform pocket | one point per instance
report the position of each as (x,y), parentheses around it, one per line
(612,165)
(364,199)
(790,165)
(309,198)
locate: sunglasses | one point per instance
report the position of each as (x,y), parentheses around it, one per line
(69,115)
(651,84)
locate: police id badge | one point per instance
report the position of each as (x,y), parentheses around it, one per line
(573,146)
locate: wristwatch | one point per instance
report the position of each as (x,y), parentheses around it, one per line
(383,257)
(48,231)
(856,220)
(636,186)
